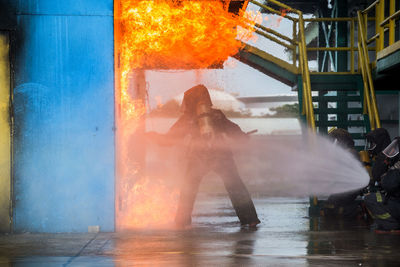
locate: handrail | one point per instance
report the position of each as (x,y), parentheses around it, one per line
(367,99)
(373,38)
(391,17)
(285,6)
(276,11)
(382,24)
(352,48)
(298,41)
(269,36)
(306,74)
(275,33)
(371,6)
(369,91)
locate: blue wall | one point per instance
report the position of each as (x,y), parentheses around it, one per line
(64,116)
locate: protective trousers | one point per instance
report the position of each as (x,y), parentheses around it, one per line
(224,165)
(381,211)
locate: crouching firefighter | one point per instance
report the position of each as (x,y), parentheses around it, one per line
(384,205)
(376,141)
(207,151)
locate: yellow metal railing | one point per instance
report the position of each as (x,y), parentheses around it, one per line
(383,23)
(294,44)
(363,65)
(370,106)
(352,47)
(385,27)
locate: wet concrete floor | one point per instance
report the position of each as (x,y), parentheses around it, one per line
(286,237)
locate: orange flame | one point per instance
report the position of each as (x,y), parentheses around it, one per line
(153,204)
(169,35)
(193,34)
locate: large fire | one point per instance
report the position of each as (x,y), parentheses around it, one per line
(188,34)
(160,34)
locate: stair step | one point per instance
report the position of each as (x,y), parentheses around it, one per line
(333,87)
(338,111)
(339,124)
(334,78)
(337,98)
(335,82)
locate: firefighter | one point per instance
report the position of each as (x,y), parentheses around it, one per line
(344,139)
(376,141)
(384,205)
(208,151)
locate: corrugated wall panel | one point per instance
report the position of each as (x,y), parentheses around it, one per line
(64,118)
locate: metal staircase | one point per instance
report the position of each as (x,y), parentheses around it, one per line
(338,102)
(327,98)
(268,64)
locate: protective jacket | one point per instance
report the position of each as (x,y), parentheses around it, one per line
(209,151)
(385,206)
(390,182)
(187,125)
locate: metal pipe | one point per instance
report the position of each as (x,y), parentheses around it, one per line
(266,35)
(371,6)
(273,10)
(294,36)
(352,46)
(306,72)
(381,12)
(390,18)
(305,104)
(269,30)
(368,72)
(372,39)
(285,6)
(367,100)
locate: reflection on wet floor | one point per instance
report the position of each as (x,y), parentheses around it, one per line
(286,237)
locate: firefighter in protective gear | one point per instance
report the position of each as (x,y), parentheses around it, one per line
(377,140)
(344,139)
(208,151)
(384,205)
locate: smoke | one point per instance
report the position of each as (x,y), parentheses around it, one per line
(270,165)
